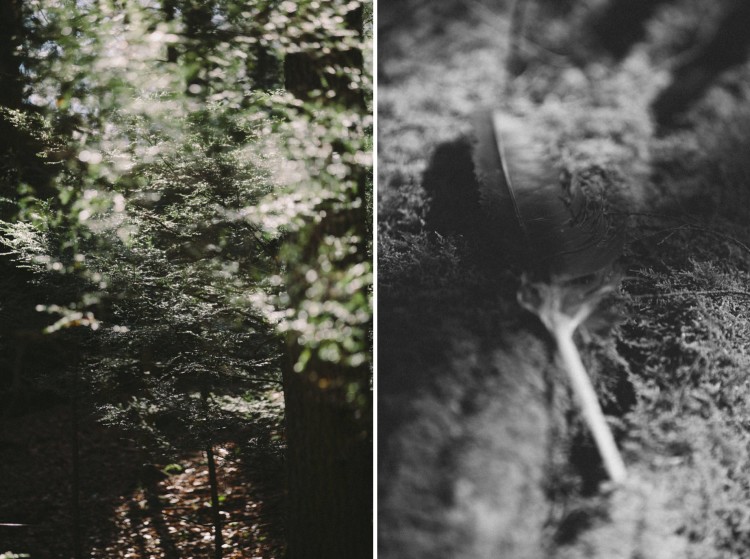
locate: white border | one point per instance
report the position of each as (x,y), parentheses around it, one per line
(375,279)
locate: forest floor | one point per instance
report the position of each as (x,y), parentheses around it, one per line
(129,506)
(482,453)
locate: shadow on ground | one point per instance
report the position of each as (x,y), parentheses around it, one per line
(130,507)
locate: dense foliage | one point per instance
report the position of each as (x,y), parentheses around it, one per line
(178,214)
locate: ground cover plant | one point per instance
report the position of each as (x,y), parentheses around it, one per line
(482,450)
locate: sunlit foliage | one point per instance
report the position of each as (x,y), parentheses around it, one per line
(195,217)
(168,155)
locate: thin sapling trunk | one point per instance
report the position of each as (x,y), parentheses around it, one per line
(214,487)
(76,474)
(215,506)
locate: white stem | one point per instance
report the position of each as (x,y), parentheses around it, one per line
(592,412)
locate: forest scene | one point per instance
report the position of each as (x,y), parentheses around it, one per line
(483,448)
(186,279)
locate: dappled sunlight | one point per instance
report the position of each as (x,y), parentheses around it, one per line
(171,518)
(130,507)
(185,228)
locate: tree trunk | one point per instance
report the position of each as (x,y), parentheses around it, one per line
(213,485)
(329,469)
(11,33)
(75,485)
(304,72)
(18,150)
(215,506)
(264,66)
(329,456)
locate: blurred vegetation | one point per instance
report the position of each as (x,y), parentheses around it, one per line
(482,454)
(163,197)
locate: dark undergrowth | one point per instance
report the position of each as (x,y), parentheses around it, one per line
(132,503)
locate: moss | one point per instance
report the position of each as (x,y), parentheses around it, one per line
(482,450)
